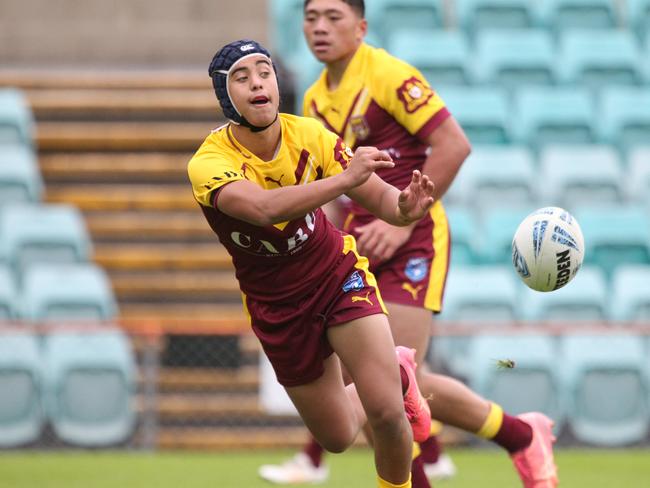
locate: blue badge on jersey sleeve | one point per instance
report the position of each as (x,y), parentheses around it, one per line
(353,283)
(416,269)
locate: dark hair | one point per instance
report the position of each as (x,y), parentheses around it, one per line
(358,5)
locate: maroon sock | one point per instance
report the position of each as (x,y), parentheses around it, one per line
(405,379)
(314,451)
(514,434)
(418,478)
(431,450)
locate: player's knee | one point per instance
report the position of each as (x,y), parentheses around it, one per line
(336,443)
(385,418)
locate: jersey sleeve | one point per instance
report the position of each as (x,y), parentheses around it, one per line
(209,171)
(409,98)
(336,154)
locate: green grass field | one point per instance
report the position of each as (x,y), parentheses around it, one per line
(477,468)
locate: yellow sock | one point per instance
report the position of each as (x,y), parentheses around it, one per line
(436,428)
(416,450)
(492,423)
(386,484)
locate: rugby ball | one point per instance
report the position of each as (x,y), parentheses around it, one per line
(548,249)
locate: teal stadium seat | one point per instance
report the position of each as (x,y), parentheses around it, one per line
(21,414)
(581,175)
(475,15)
(638,17)
(561,15)
(286,17)
(483,114)
(515,57)
(547,115)
(16,119)
(532,385)
(496,232)
(606,384)
(600,58)
(494,176)
(624,116)
(390,16)
(441,56)
(474,296)
(8,295)
(583,300)
(90,384)
(631,294)
(462,227)
(68,291)
(20,175)
(638,176)
(42,233)
(615,235)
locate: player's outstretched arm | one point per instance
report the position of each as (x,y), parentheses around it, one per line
(394,206)
(249,202)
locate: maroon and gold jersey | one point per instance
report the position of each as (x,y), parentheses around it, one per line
(382,102)
(287,260)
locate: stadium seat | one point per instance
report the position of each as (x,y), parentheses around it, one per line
(390,16)
(474,295)
(615,235)
(90,384)
(638,176)
(68,291)
(483,114)
(21,415)
(561,15)
(497,176)
(532,385)
(580,175)
(606,384)
(600,58)
(16,119)
(286,18)
(545,115)
(481,294)
(441,56)
(514,57)
(8,295)
(624,116)
(462,227)
(496,232)
(475,15)
(638,17)
(37,233)
(20,176)
(631,294)
(584,299)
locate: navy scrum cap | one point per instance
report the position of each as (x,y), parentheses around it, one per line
(220,69)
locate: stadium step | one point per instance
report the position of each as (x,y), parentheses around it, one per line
(170,197)
(175,286)
(197,380)
(129,167)
(149,226)
(163,256)
(226,438)
(122,136)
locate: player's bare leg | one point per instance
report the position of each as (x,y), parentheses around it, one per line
(335,413)
(527,438)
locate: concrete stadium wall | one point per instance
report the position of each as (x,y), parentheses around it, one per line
(123,33)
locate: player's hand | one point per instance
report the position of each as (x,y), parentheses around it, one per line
(365,162)
(416,199)
(379,240)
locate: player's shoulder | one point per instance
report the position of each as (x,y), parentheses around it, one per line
(384,66)
(299,127)
(214,147)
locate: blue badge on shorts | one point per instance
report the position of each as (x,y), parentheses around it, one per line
(353,283)
(416,269)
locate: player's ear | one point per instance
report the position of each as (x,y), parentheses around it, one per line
(362,28)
